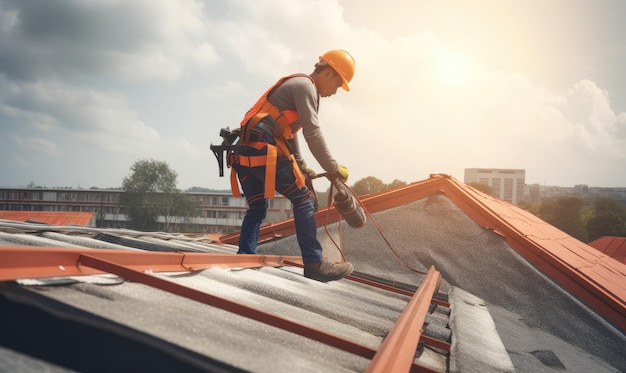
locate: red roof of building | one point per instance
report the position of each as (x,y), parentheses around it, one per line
(615,247)
(49,217)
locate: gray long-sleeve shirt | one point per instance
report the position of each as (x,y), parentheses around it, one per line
(300,94)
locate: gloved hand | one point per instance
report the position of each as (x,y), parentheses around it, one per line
(341,174)
(309,172)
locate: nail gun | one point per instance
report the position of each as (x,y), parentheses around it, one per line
(346,203)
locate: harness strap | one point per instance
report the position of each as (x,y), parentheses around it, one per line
(234,186)
(260,110)
(269,161)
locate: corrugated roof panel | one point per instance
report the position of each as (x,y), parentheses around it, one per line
(349,310)
(332,308)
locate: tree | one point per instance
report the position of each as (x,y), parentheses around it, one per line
(610,204)
(481,187)
(566,214)
(182,206)
(150,191)
(368,185)
(609,219)
(395,184)
(605,223)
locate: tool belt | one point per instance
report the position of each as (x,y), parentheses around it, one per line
(253,133)
(269,160)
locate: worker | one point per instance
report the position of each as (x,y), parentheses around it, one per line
(270,159)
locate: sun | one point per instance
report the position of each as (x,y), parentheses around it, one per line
(454,69)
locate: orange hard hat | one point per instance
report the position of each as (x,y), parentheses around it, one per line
(342,62)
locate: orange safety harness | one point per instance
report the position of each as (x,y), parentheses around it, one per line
(283,131)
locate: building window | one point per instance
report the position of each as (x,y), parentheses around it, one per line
(495,184)
(508,190)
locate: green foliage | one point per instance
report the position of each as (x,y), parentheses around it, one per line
(150,176)
(370,184)
(605,223)
(149,192)
(198,189)
(565,214)
(481,187)
(584,220)
(609,219)
(395,184)
(367,185)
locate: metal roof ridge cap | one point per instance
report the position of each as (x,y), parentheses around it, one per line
(397,351)
(616,311)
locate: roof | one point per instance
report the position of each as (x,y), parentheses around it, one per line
(50,217)
(505,300)
(594,277)
(615,247)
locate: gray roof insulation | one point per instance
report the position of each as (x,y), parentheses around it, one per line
(505,315)
(537,320)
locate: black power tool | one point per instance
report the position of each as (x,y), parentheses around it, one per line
(346,204)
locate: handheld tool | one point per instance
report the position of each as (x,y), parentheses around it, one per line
(345,203)
(229,138)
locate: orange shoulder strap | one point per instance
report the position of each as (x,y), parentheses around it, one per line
(261,109)
(261,101)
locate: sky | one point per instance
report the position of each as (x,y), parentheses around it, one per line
(87,88)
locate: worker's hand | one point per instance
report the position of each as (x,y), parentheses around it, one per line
(309,172)
(341,174)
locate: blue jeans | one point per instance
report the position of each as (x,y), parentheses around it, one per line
(252,180)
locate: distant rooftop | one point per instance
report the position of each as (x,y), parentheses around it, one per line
(52,217)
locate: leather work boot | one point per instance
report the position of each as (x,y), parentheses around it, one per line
(326,271)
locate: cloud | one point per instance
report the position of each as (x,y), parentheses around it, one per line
(403,122)
(121,39)
(68,113)
(36,144)
(110,82)
(594,124)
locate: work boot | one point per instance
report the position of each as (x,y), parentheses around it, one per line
(326,271)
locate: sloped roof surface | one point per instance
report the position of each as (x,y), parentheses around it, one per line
(594,277)
(615,247)
(491,255)
(90,322)
(49,217)
(523,302)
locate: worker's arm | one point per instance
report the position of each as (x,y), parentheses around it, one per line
(300,94)
(307,102)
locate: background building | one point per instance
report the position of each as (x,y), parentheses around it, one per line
(507,184)
(220,212)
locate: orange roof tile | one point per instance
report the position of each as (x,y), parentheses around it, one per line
(49,217)
(615,247)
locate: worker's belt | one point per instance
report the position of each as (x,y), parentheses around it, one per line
(268,160)
(251,160)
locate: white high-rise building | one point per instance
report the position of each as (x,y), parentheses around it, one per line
(506,184)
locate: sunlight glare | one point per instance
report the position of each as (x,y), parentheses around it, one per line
(454,69)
